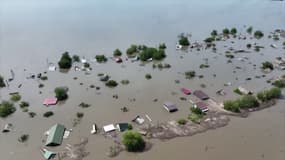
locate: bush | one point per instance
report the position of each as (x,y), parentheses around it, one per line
(130,127)
(6,108)
(184,41)
(79,114)
(190,74)
(15,97)
(23,138)
(65,61)
(133,141)
(101,58)
(132,50)
(48,114)
(117,52)
(247,101)
(267,95)
(209,40)
(44,78)
(279,83)
(249,30)
(60,93)
(182,121)
(226,31)
(232,106)
(233,31)
(267,64)
(258,34)
(283,43)
(148,76)
(32,114)
(24,104)
(75,58)
(237,91)
(196,110)
(214,33)
(125,81)
(248,45)
(2,83)
(86,65)
(111,83)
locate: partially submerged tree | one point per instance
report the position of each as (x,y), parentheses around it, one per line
(133,141)
(249,30)
(117,52)
(258,34)
(101,58)
(132,50)
(65,61)
(6,108)
(226,31)
(233,31)
(267,65)
(111,83)
(2,83)
(184,41)
(61,93)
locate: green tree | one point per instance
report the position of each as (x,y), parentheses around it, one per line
(111,83)
(133,141)
(61,93)
(258,34)
(249,30)
(132,50)
(101,58)
(6,108)
(233,31)
(226,31)
(267,64)
(214,33)
(65,61)
(117,53)
(184,41)
(75,58)
(162,46)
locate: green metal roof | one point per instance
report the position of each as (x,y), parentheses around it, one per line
(55,136)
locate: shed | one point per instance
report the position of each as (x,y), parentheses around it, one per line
(122,127)
(109,128)
(55,135)
(170,107)
(202,105)
(201,95)
(50,101)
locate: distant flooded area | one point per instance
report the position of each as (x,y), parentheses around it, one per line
(193,79)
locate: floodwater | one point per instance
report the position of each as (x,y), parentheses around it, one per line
(35,32)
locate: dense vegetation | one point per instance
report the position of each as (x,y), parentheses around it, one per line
(101,58)
(117,53)
(149,52)
(279,83)
(133,141)
(61,93)
(184,41)
(2,83)
(132,50)
(247,101)
(65,61)
(269,94)
(6,108)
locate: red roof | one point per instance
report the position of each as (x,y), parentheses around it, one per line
(50,101)
(202,105)
(185,91)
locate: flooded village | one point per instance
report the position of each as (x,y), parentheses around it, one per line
(213,91)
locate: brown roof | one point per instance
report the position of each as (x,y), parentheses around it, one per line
(201,95)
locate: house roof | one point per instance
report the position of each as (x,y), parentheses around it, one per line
(50,101)
(185,91)
(55,136)
(170,107)
(201,95)
(123,126)
(109,128)
(202,105)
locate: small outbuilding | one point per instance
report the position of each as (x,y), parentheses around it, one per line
(170,107)
(201,95)
(202,105)
(55,135)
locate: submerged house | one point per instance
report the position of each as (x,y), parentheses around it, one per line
(201,95)
(122,127)
(55,135)
(202,105)
(138,119)
(185,91)
(170,107)
(109,128)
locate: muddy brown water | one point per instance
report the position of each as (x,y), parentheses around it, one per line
(34,32)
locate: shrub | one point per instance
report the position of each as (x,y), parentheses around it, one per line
(237,91)
(117,52)
(248,101)
(232,106)
(111,83)
(125,81)
(162,46)
(283,43)
(32,114)
(48,114)
(196,110)
(184,41)
(209,40)
(61,93)
(79,114)
(101,58)
(130,127)
(248,45)
(214,33)
(226,31)
(75,58)
(23,138)
(15,97)
(258,34)
(233,31)
(267,64)
(148,76)
(65,61)
(84,105)
(43,78)
(279,83)
(2,83)
(6,108)
(86,65)
(249,30)
(190,74)
(182,121)
(132,50)
(204,66)
(269,94)
(24,104)
(133,141)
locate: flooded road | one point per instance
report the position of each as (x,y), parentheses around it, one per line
(35,32)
